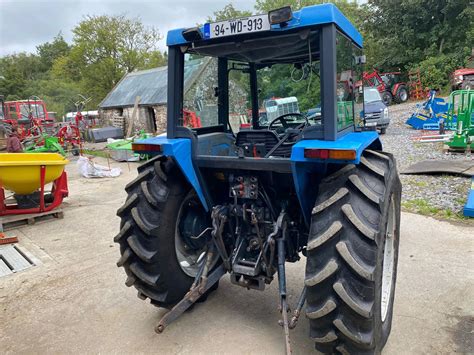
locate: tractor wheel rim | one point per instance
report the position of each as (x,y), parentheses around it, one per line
(403,95)
(189,259)
(388,261)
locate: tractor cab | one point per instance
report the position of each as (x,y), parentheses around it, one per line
(23,110)
(313,56)
(307,58)
(252,182)
(29,116)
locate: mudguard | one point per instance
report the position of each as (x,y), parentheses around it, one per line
(305,169)
(180,150)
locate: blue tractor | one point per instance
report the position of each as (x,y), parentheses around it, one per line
(245,198)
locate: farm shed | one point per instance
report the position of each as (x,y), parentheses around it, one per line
(151,86)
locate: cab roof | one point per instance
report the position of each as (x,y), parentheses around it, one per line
(309,16)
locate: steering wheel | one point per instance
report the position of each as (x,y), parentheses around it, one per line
(284,122)
(290,132)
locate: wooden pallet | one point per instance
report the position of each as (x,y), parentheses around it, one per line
(18,220)
(118,121)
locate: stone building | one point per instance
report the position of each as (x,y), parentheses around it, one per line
(200,81)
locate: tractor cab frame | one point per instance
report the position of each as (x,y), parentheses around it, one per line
(317,34)
(299,34)
(244,198)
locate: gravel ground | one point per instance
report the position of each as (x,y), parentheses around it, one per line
(438,195)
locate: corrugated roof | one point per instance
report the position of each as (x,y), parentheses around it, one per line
(150,85)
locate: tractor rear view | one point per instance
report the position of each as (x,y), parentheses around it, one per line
(244,201)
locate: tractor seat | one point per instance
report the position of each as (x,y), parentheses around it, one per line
(257,143)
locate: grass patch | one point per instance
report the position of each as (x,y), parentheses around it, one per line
(420,206)
(461,200)
(419,183)
(423,207)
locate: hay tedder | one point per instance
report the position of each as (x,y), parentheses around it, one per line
(244,201)
(69,135)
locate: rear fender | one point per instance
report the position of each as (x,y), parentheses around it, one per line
(395,88)
(308,173)
(180,149)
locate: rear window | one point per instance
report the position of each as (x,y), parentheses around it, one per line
(37,110)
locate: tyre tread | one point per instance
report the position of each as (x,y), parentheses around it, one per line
(329,269)
(143,256)
(344,232)
(361,270)
(143,253)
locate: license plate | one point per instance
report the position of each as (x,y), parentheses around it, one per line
(236,27)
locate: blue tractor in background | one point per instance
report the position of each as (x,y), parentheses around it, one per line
(245,199)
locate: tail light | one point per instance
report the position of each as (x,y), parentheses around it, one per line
(337,154)
(143,147)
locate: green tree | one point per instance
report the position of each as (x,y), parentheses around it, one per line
(404,32)
(18,71)
(50,51)
(104,49)
(228,12)
(155,59)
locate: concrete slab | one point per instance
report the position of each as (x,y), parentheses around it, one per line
(76,300)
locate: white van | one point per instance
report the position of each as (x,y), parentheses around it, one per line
(279,107)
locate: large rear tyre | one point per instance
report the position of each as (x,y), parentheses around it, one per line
(352,256)
(402,94)
(158,263)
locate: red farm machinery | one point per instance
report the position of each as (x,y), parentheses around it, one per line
(35,125)
(29,116)
(390,85)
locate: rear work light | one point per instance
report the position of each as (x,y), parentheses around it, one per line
(143,147)
(280,16)
(192,34)
(336,154)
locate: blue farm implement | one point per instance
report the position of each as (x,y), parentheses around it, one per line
(429,114)
(219,200)
(468,209)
